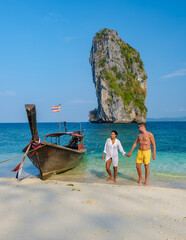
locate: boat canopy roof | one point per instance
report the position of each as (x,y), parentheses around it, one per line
(63,133)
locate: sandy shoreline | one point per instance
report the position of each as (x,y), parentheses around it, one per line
(155,180)
(33,209)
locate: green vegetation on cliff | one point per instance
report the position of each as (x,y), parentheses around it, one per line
(102,62)
(127,87)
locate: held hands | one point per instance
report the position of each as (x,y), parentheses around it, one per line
(129,154)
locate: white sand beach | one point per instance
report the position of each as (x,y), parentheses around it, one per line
(51,210)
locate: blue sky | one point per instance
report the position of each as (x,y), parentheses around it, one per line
(45,47)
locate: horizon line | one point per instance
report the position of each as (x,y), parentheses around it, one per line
(155,120)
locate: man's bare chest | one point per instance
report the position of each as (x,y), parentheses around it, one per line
(144,138)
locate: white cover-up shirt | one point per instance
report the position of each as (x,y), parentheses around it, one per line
(111,151)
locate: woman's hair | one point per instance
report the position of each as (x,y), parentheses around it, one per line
(115,132)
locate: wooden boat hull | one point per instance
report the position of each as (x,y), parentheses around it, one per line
(51,158)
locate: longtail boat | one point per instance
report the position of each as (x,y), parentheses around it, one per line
(51,158)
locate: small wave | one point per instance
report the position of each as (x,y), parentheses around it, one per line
(169,175)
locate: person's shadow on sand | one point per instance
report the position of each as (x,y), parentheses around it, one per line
(103,175)
(122,175)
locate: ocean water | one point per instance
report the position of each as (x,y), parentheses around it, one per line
(169,168)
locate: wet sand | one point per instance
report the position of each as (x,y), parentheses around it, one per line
(94,176)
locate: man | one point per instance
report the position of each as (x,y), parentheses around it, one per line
(145,140)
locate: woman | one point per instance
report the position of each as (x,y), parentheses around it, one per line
(112,146)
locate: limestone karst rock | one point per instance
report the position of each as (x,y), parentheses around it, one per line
(120,80)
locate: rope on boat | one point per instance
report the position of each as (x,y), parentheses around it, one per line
(19,155)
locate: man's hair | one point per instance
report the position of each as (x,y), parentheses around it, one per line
(143,124)
(115,132)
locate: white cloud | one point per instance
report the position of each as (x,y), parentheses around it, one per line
(180,72)
(54,17)
(8,93)
(68,38)
(175,109)
(182,109)
(79,101)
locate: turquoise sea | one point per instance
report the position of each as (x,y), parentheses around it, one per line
(169,168)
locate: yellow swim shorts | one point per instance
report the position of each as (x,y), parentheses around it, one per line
(143,156)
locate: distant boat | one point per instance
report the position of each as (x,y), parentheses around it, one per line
(51,158)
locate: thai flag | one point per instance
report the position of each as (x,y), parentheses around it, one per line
(17,170)
(56,108)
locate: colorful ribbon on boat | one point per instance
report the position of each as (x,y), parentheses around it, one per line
(19,167)
(35,146)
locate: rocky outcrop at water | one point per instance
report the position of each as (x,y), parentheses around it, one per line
(120,80)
